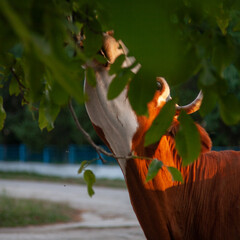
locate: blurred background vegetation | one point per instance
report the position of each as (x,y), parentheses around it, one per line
(21,126)
(221,134)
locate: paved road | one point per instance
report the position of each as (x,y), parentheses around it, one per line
(107,215)
(61,170)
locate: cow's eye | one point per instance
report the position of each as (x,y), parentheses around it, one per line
(159,86)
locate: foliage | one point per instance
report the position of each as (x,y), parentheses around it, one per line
(45,44)
(187,139)
(160,127)
(220,133)
(153,169)
(176,175)
(23,212)
(88,176)
(40,68)
(191,37)
(2,113)
(156,165)
(90,179)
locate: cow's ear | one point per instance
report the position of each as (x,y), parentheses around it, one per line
(206,143)
(110,33)
(111,48)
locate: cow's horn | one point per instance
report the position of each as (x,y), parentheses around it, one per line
(192,107)
(164,88)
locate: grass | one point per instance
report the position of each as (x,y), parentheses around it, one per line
(116,183)
(23,212)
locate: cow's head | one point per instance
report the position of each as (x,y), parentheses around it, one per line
(112,49)
(115,120)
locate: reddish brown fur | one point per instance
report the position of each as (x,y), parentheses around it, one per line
(206,206)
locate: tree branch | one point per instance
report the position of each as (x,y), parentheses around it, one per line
(98,149)
(17,79)
(21,87)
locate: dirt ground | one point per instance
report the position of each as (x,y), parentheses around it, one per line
(107,215)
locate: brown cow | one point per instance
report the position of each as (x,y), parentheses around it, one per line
(206,206)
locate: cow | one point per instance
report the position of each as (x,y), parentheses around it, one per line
(206,205)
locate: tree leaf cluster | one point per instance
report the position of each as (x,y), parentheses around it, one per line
(41,53)
(88,176)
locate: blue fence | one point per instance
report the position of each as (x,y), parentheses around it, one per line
(51,154)
(217,148)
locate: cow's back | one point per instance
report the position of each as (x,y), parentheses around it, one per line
(214,198)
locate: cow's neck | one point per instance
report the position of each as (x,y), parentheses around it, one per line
(152,202)
(159,204)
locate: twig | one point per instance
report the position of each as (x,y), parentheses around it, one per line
(17,78)
(21,86)
(99,149)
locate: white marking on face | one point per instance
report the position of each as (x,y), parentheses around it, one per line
(116,117)
(160,101)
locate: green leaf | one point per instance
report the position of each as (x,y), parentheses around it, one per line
(207,77)
(33,75)
(153,169)
(141,91)
(176,174)
(223,54)
(223,20)
(14,87)
(83,165)
(93,42)
(71,81)
(48,112)
(237,27)
(187,139)
(119,83)
(101,59)
(161,123)
(15,21)
(58,94)
(230,109)
(2,114)
(90,179)
(90,76)
(117,65)
(160,47)
(208,103)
